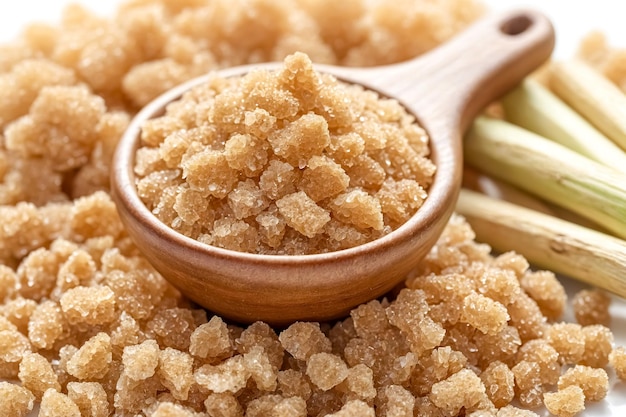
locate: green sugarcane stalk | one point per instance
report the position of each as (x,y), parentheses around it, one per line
(593,96)
(549,170)
(537,109)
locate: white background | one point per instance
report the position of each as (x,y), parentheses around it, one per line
(572,19)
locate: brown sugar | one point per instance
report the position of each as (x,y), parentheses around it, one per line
(463,389)
(360,381)
(262,372)
(224,404)
(211,341)
(326,370)
(229,376)
(93,306)
(37,375)
(54,404)
(354,408)
(568,340)
(592,307)
(141,361)
(617,359)
(485,314)
(90,397)
(266,158)
(46,325)
(168,409)
(499,383)
(176,372)
(540,352)
(593,381)
(512,411)
(303,339)
(92,360)
(397,401)
(529,388)
(17,401)
(547,291)
(89,328)
(566,402)
(598,345)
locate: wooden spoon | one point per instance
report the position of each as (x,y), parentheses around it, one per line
(444,89)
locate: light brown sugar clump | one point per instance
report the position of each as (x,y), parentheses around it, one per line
(598,345)
(56,404)
(485,314)
(541,353)
(512,411)
(156,353)
(326,370)
(566,402)
(592,307)
(463,389)
(37,375)
(92,360)
(568,340)
(17,401)
(211,341)
(593,381)
(283,160)
(303,339)
(617,359)
(90,397)
(499,383)
(88,305)
(141,361)
(547,291)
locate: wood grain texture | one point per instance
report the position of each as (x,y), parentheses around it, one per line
(444,89)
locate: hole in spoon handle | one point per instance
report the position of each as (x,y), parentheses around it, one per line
(456,80)
(516,25)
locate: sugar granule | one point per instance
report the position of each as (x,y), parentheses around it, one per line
(499,383)
(593,381)
(93,359)
(90,397)
(54,404)
(592,307)
(463,389)
(326,370)
(17,401)
(302,340)
(272,139)
(140,361)
(37,375)
(598,345)
(617,359)
(211,341)
(565,402)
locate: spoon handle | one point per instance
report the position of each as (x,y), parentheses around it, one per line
(453,82)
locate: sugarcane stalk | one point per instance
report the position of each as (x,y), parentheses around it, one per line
(548,242)
(549,170)
(593,96)
(535,108)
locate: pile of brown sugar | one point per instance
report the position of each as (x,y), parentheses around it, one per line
(87,326)
(289,161)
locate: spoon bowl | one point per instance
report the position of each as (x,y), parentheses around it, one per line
(444,89)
